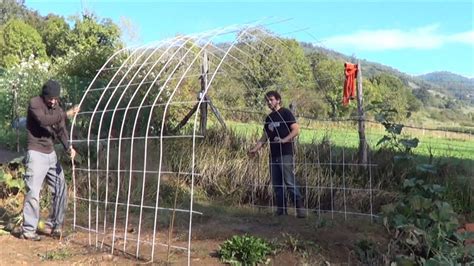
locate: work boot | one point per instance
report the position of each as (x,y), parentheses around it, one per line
(300,210)
(47,230)
(281,211)
(30,236)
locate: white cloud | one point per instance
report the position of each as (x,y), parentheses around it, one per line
(426,37)
(464,37)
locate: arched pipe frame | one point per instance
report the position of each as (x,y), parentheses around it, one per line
(144,75)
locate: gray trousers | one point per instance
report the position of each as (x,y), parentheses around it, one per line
(38,167)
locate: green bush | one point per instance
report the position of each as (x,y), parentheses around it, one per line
(424,226)
(11,178)
(366,252)
(245,250)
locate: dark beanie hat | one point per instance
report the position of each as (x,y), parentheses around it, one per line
(51,88)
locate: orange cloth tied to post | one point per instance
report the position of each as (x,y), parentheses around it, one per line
(349,93)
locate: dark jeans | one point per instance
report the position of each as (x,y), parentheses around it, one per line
(283,175)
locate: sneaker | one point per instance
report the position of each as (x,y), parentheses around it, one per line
(30,236)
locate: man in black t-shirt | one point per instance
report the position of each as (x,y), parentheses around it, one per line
(280,129)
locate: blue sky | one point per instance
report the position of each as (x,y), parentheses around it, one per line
(415,37)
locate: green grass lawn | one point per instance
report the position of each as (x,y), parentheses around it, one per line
(344,134)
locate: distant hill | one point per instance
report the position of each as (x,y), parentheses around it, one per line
(443,82)
(369,69)
(448,79)
(458,86)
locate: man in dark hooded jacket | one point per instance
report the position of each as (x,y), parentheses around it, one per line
(46,122)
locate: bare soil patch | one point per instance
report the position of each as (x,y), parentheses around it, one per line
(332,240)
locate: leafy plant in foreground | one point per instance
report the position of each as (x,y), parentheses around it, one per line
(423,226)
(245,250)
(366,252)
(393,138)
(11,178)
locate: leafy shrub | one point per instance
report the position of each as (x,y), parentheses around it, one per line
(11,181)
(424,226)
(245,250)
(366,252)
(394,139)
(59,254)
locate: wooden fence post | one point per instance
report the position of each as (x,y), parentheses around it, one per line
(360,111)
(204,72)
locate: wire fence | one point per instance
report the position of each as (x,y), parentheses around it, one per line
(134,189)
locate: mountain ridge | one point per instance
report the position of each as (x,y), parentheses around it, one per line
(447,83)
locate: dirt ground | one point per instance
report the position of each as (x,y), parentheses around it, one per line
(317,240)
(313,241)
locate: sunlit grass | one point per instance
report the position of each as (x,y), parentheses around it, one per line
(344,134)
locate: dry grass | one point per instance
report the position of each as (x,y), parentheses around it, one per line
(329,175)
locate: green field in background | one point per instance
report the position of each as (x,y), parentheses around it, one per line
(344,134)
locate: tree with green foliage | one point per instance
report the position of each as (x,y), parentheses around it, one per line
(87,47)
(10,9)
(94,42)
(276,63)
(328,76)
(424,96)
(395,95)
(20,41)
(16,9)
(56,36)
